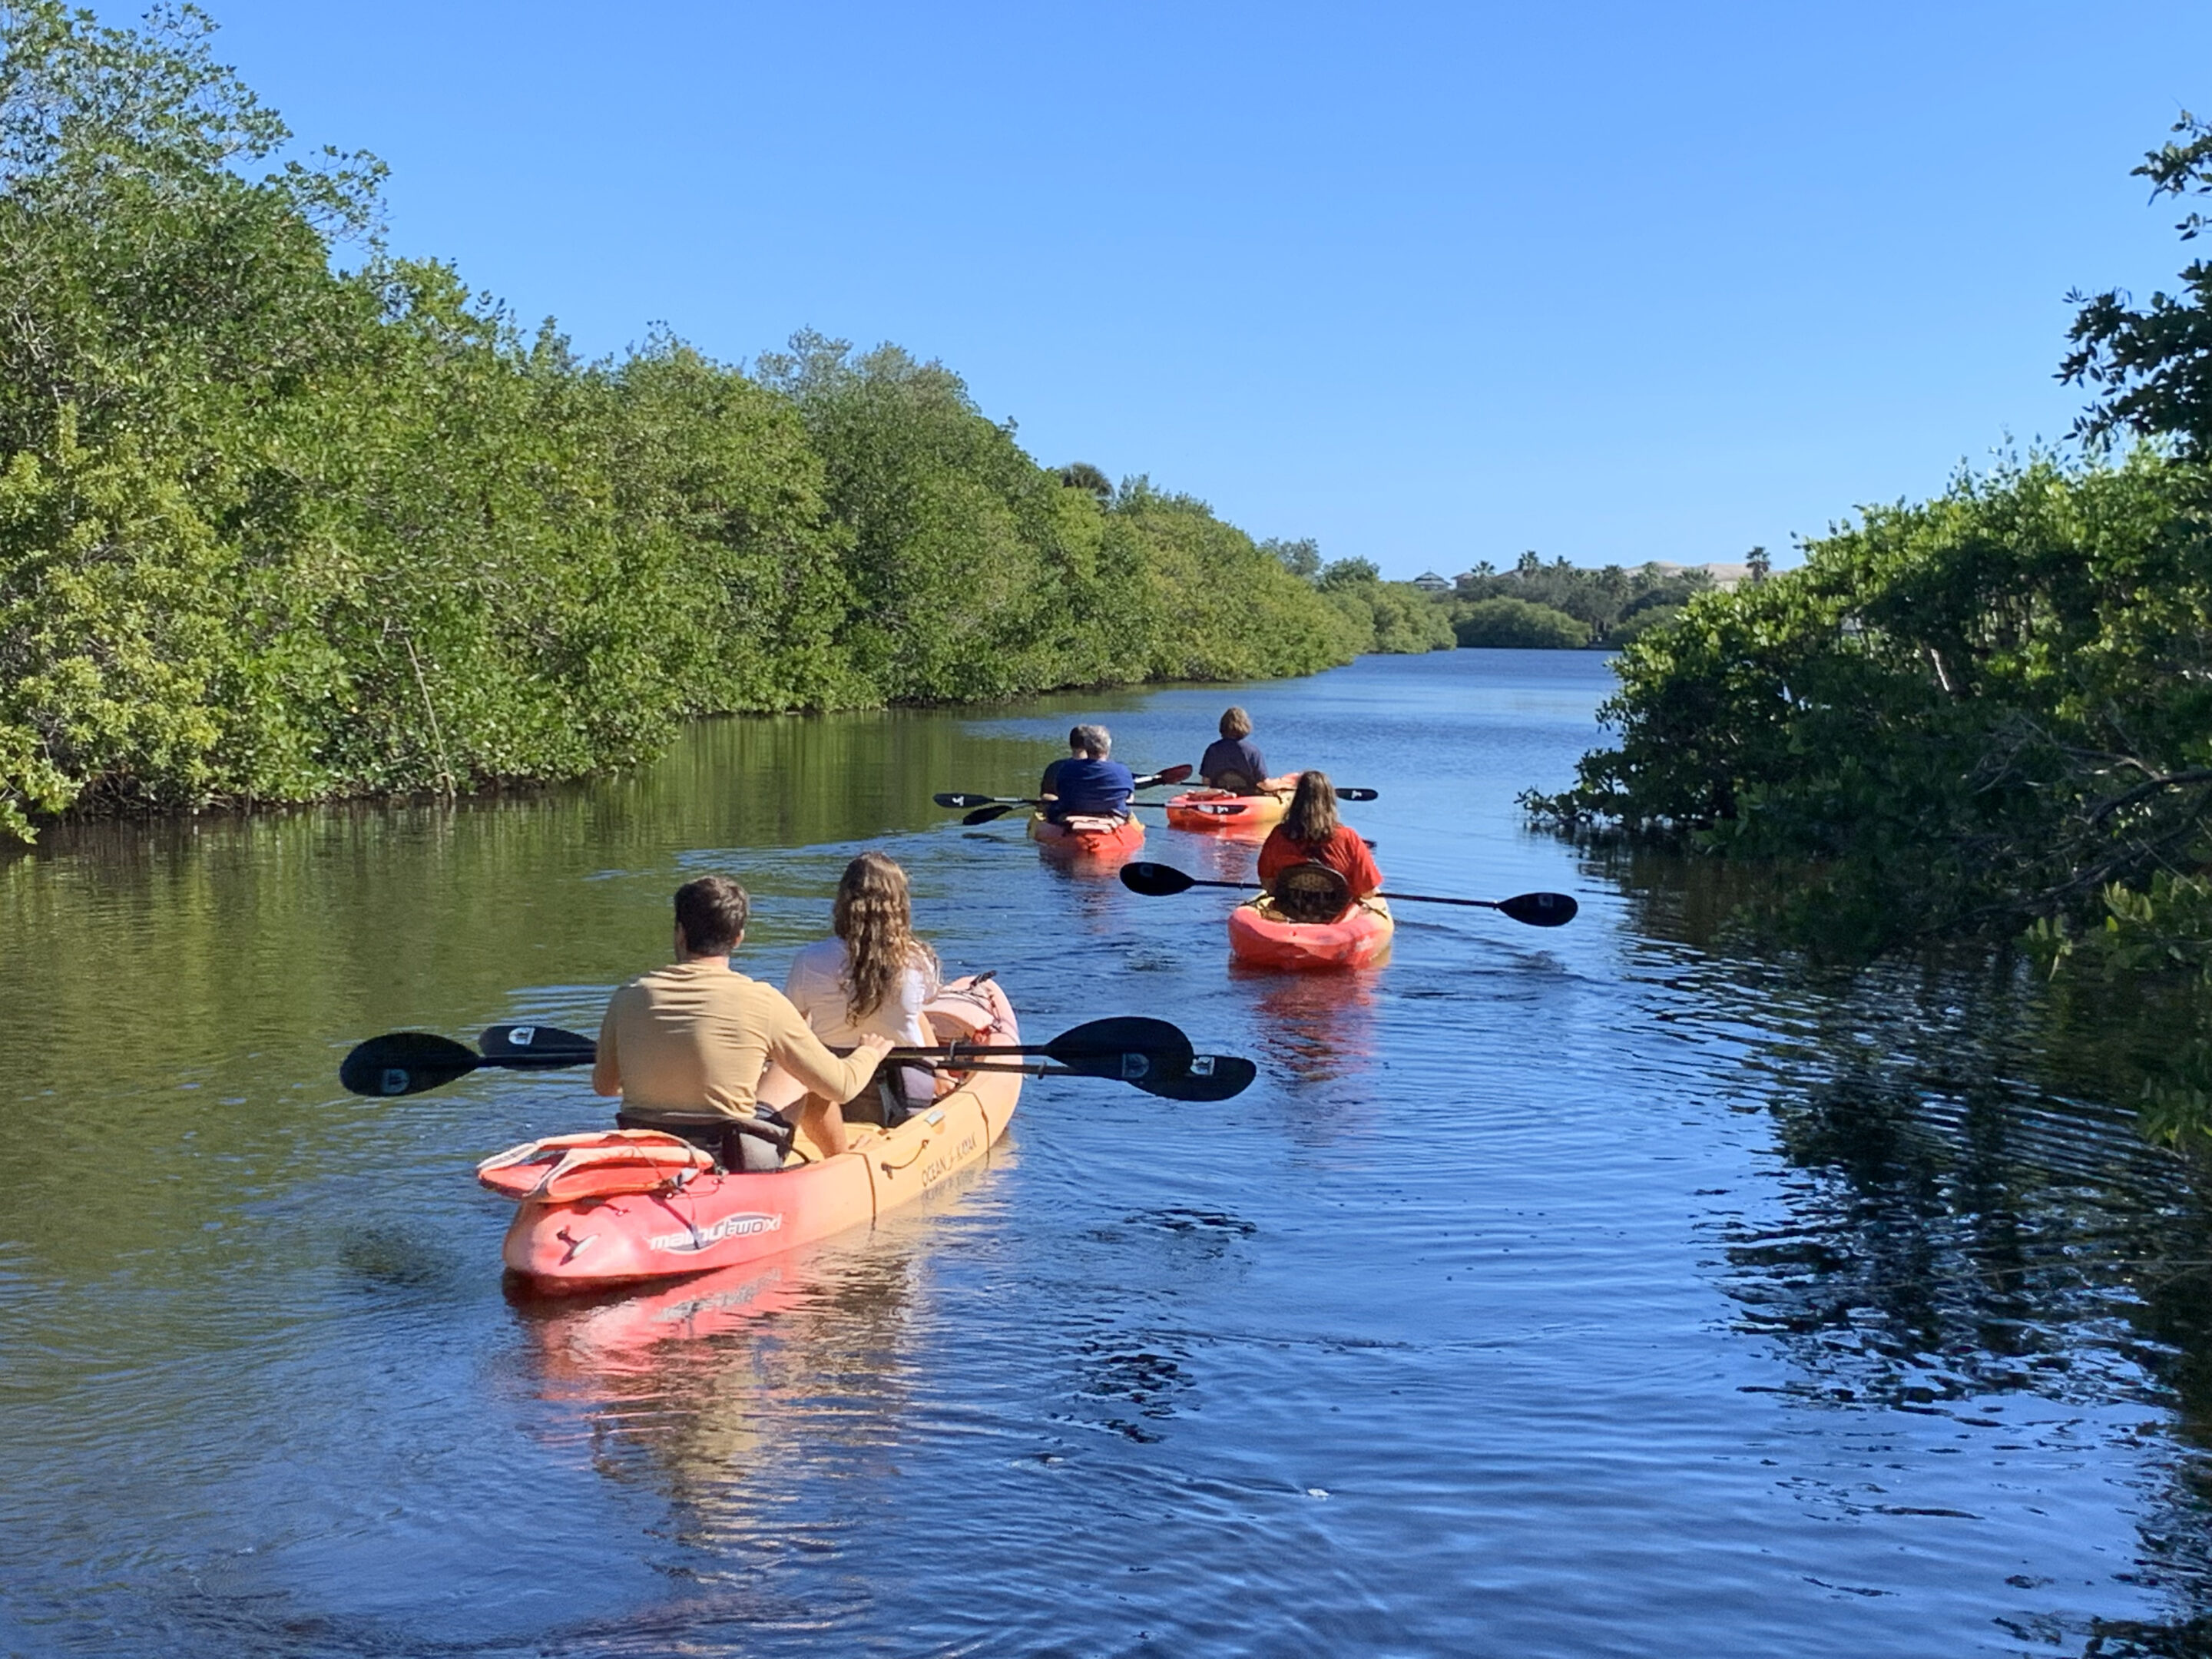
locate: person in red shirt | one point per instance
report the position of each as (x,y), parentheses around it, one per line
(1310,834)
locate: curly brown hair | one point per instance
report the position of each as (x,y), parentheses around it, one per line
(874,916)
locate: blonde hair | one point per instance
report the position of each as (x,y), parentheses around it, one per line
(1236,723)
(874,917)
(1312,818)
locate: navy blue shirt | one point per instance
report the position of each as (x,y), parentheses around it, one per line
(1233,756)
(1100,787)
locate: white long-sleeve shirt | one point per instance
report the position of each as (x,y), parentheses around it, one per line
(815,989)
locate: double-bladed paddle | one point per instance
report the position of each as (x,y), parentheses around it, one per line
(1148,781)
(1223,809)
(997,806)
(1211,1077)
(1536,909)
(1150,1053)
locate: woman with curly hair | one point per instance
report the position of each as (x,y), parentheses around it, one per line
(873,978)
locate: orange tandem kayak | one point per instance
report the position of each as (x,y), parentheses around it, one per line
(1258,935)
(1081,838)
(646,1209)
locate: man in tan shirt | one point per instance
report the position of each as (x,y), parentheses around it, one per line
(690,1040)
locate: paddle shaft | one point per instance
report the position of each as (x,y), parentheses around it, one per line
(959,798)
(1409,898)
(943,1051)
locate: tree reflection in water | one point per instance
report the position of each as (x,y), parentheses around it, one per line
(1952,1236)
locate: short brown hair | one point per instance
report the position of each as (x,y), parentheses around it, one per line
(712,911)
(1236,723)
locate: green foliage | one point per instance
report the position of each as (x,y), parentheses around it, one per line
(274,530)
(1388,617)
(1967,713)
(1362,612)
(1985,712)
(1607,601)
(1517,623)
(1081,475)
(1301,557)
(1218,607)
(1638,623)
(2153,365)
(2165,929)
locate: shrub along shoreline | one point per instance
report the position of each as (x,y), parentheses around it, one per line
(274,530)
(1987,714)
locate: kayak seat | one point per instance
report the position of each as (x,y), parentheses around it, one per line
(900,1089)
(759,1144)
(1310,893)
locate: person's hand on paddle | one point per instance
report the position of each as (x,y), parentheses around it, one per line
(874,1047)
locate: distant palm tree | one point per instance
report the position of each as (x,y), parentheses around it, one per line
(1081,475)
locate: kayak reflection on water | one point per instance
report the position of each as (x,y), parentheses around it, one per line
(1323,1025)
(728,1389)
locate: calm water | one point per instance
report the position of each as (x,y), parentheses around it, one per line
(1576,1293)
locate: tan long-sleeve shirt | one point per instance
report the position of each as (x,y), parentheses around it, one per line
(694,1037)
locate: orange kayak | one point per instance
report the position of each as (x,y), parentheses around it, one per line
(1258,813)
(1259,936)
(1087,837)
(582,1231)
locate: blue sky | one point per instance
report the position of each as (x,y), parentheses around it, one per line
(1431,283)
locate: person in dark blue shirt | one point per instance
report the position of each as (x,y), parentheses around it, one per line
(1234,762)
(1086,784)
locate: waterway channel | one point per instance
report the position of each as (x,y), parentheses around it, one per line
(1605,1291)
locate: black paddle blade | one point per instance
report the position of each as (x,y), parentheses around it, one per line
(954,798)
(525,1045)
(1357,794)
(992,814)
(1211,1077)
(1154,880)
(406,1063)
(1540,909)
(1132,1048)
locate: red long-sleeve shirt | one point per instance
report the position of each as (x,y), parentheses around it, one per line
(1344,853)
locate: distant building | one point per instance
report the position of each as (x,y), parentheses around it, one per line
(1429,582)
(1724,575)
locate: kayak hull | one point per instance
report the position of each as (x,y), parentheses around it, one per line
(1259,936)
(716,1220)
(1086,838)
(1260,813)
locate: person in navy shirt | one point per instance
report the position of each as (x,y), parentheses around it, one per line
(1086,784)
(1234,762)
